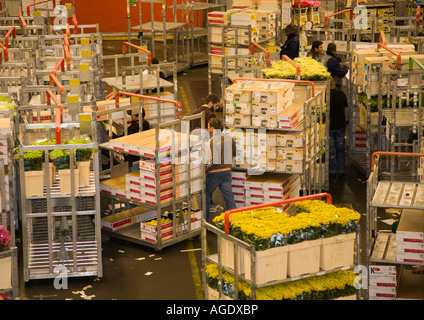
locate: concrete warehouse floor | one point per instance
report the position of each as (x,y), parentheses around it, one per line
(175,275)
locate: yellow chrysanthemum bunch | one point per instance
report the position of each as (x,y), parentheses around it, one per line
(270,227)
(327,286)
(310,69)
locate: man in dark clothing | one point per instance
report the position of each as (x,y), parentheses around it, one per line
(290,48)
(222,153)
(316,51)
(333,65)
(211,105)
(338,108)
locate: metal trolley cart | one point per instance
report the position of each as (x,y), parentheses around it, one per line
(241,259)
(143,199)
(384,247)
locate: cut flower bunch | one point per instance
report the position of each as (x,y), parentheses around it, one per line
(310,69)
(325,287)
(270,227)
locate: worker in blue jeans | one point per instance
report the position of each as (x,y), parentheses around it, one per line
(338,109)
(222,153)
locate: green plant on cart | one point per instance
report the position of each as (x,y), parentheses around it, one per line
(33,160)
(61,158)
(84,154)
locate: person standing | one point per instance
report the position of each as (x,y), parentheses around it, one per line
(290,48)
(218,170)
(317,50)
(338,110)
(333,65)
(210,106)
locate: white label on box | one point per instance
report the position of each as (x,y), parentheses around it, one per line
(382,270)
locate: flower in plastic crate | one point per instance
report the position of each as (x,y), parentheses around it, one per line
(4,239)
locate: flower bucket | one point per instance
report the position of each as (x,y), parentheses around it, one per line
(304,257)
(6,273)
(65,181)
(84,173)
(34,183)
(338,251)
(52,174)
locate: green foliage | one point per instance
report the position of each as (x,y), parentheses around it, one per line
(82,154)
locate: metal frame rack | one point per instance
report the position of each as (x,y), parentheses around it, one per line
(143,76)
(394,135)
(61,232)
(312,163)
(162,29)
(239,246)
(391,192)
(7,217)
(241,64)
(196,32)
(132,232)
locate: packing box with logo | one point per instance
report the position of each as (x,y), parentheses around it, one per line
(380,292)
(289,140)
(126,218)
(242,120)
(284,153)
(242,32)
(291,117)
(264,121)
(411,226)
(239,92)
(289,166)
(278,93)
(218,17)
(266,109)
(243,18)
(238,108)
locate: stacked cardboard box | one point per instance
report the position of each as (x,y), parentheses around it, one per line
(269,187)
(383,282)
(271,151)
(238,185)
(362,52)
(265,23)
(236,27)
(259,104)
(149,232)
(410,237)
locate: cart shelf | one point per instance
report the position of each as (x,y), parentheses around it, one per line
(392,194)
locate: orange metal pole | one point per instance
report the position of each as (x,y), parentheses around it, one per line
(179,105)
(387,153)
(274,204)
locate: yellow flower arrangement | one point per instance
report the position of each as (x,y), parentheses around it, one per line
(270,227)
(327,286)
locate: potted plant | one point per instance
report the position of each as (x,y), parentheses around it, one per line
(34,173)
(61,158)
(83,158)
(52,172)
(6,261)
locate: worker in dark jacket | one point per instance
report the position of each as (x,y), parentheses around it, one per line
(222,153)
(316,51)
(338,111)
(333,65)
(290,48)
(210,106)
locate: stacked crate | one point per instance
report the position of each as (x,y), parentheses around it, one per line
(410,237)
(238,186)
(383,282)
(269,187)
(231,33)
(261,105)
